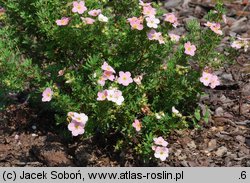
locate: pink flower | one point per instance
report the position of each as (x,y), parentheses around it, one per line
(80,118)
(206,78)
(95,12)
(161,152)
(153,35)
(47,95)
(79,7)
(137,125)
(102,95)
(215,27)
(171,18)
(174,37)
(63,21)
(76,128)
(138,79)
(190,49)
(152,22)
(149,11)
(209,80)
(118,98)
(107,67)
(101,81)
(141,3)
(70,114)
(115,96)
(135,23)
(209,24)
(237,44)
(124,78)
(153,147)
(160,141)
(108,75)
(61,73)
(103,18)
(214,81)
(88,21)
(160,39)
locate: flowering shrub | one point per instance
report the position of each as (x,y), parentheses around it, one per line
(118,65)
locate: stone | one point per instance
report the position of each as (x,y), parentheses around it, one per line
(173,3)
(246,90)
(221,151)
(227,77)
(212,144)
(191,145)
(219,111)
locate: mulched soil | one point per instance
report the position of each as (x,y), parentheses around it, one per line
(28,138)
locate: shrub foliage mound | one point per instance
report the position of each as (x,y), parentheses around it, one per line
(110,66)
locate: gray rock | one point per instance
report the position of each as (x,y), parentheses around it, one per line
(246,90)
(173,3)
(227,77)
(221,151)
(219,111)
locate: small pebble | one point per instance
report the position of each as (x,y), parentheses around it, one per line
(33,127)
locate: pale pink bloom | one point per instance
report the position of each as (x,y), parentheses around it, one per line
(171,18)
(109,75)
(174,37)
(152,35)
(237,44)
(214,81)
(107,67)
(47,95)
(190,49)
(124,78)
(61,73)
(206,78)
(160,141)
(141,3)
(153,147)
(70,114)
(118,98)
(76,128)
(137,125)
(102,18)
(115,96)
(95,12)
(138,79)
(161,153)
(102,95)
(80,118)
(110,95)
(216,28)
(63,21)
(88,20)
(149,11)
(79,7)
(152,22)
(101,81)
(161,39)
(135,23)
(209,24)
